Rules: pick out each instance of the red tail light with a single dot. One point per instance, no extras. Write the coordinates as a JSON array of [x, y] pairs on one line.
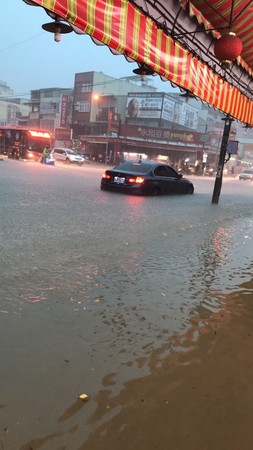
[[106, 176], [138, 180]]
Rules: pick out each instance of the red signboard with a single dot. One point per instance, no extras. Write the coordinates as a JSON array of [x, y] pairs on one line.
[[64, 109], [63, 134]]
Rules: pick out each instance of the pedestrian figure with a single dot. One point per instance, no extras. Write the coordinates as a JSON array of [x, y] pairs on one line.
[[45, 154]]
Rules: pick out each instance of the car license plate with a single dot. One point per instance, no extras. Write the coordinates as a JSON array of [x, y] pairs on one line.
[[119, 180]]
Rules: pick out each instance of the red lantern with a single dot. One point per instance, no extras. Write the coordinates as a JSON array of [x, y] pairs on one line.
[[227, 48]]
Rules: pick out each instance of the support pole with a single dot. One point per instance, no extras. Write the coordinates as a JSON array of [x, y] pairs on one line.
[[106, 151], [219, 174]]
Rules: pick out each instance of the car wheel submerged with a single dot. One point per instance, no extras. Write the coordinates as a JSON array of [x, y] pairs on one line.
[[67, 161], [157, 192], [190, 190]]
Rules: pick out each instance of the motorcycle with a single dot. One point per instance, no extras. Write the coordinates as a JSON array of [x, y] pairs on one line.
[[49, 160]]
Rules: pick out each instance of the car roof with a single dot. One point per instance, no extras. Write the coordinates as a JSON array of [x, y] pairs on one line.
[[146, 163], [138, 166]]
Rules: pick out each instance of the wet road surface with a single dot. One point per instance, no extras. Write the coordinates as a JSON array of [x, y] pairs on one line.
[[99, 290]]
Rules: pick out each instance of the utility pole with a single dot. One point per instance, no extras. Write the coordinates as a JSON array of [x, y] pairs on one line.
[[219, 174]]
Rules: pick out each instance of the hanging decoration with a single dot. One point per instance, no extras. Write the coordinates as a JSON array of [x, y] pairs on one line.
[[228, 48]]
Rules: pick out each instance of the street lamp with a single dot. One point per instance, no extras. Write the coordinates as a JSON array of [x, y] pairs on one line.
[[187, 95], [218, 181], [143, 70], [58, 28]]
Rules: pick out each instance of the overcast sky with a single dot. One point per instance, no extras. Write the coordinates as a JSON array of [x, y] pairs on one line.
[[31, 59]]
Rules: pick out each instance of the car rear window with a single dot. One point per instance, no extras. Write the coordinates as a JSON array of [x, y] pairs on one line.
[[133, 167], [58, 150], [70, 152]]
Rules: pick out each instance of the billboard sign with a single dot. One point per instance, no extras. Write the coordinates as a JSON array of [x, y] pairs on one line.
[[179, 112], [161, 134], [161, 106], [144, 105]]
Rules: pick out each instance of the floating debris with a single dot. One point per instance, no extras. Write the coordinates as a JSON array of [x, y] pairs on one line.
[[83, 397]]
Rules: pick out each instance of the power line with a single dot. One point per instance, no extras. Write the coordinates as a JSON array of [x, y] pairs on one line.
[[94, 85], [21, 42], [13, 95], [98, 84]]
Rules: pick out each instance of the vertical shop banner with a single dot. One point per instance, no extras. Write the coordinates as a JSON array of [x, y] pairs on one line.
[[64, 110], [113, 122]]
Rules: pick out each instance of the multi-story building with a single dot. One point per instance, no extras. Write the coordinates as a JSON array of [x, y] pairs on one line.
[[115, 119], [13, 111], [98, 97], [51, 108]]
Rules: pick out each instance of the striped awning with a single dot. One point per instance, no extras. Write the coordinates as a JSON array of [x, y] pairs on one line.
[[126, 29]]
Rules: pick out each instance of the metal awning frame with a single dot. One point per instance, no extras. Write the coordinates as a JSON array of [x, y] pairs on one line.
[[170, 41]]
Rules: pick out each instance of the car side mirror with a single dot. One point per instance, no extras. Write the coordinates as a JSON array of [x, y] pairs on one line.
[[180, 175]]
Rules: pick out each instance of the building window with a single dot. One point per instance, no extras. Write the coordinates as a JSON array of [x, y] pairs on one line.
[[86, 87], [83, 106]]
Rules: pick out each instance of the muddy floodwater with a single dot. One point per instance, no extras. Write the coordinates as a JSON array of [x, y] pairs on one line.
[[143, 304]]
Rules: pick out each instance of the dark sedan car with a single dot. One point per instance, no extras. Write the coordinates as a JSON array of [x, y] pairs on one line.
[[145, 178]]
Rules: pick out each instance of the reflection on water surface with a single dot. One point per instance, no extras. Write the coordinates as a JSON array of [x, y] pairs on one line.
[[105, 294]]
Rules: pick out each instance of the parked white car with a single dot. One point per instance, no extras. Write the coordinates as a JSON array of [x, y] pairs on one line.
[[67, 155], [246, 174]]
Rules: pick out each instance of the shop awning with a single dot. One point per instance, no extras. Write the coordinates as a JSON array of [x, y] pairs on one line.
[[176, 40]]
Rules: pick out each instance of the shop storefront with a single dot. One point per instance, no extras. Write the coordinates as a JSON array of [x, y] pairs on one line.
[[172, 146]]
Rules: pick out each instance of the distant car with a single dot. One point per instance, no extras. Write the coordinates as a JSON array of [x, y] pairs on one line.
[[145, 178], [86, 156], [246, 174], [209, 172], [67, 155]]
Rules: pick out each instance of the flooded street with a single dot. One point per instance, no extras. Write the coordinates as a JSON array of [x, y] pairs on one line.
[[144, 304]]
